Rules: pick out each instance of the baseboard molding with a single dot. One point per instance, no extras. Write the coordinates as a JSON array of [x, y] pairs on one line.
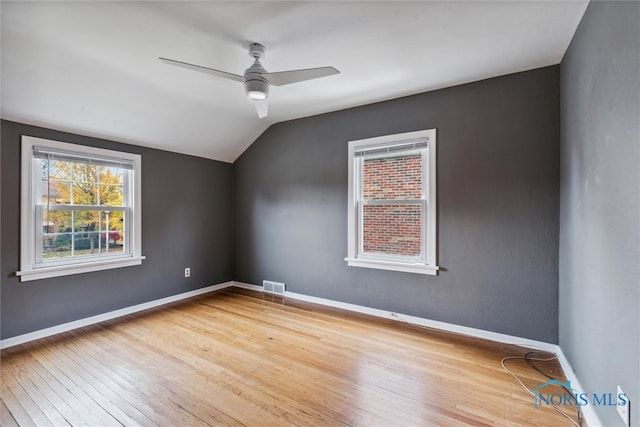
[[64, 327], [247, 286], [588, 412]]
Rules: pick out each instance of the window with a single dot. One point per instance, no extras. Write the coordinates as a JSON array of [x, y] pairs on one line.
[[392, 202], [81, 209]]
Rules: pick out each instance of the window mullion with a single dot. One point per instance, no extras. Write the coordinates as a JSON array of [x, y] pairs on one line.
[[73, 232]]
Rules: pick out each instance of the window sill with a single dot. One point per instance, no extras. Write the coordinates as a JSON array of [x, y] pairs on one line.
[[85, 267], [393, 266]]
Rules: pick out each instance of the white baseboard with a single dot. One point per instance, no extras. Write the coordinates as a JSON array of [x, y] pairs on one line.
[[588, 412], [247, 286], [64, 327]]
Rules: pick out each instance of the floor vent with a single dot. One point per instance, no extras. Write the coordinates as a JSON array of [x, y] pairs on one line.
[[273, 287]]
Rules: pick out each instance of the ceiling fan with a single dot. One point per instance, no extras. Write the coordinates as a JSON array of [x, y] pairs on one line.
[[257, 80]]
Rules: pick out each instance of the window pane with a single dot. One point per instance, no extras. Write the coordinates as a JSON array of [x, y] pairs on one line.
[[111, 195], [52, 190], [111, 186], [112, 242], [86, 221], [85, 173], [60, 171], [56, 221], [112, 236], [85, 194], [392, 229], [56, 228], [110, 175], [86, 243], [392, 178], [56, 245], [43, 169], [112, 220], [58, 193]]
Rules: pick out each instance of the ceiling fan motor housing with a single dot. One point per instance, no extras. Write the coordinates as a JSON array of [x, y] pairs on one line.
[[256, 86]]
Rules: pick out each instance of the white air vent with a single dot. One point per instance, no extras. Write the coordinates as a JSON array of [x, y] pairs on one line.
[[273, 287]]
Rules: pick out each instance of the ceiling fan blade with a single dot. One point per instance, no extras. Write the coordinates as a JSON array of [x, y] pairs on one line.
[[202, 69], [282, 78], [262, 108]]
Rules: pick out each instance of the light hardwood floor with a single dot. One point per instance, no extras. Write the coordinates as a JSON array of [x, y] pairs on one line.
[[238, 357]]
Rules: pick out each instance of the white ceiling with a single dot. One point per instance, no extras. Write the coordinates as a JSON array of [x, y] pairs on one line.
[[92, 67]]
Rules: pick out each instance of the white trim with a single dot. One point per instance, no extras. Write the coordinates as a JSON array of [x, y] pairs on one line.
[[434, 324], [247, 286], [588, 411], [69, 269], [43, 333], [355, 258], [393, 266]]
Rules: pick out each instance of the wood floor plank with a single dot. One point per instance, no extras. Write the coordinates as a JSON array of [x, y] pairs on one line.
[[15, 409], [243, 358], [6, 419]]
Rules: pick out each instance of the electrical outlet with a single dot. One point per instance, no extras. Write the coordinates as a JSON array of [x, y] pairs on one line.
[[623, 410], [187, 272]]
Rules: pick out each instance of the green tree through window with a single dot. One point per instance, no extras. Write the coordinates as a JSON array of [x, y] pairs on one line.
[[96, 228]]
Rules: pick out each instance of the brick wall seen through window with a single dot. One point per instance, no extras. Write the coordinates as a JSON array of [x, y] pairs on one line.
[[393, 229]]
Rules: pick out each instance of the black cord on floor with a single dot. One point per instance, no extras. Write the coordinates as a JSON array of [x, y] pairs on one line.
[[530, 363]]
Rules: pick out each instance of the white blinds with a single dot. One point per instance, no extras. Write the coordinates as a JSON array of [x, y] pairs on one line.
[[371, 150], [69, 156]]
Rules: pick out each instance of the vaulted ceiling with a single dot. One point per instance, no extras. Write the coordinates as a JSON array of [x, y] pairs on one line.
[[92, 67]]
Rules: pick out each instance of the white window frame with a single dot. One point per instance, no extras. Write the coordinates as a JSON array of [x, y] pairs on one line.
[[425, 264], [31, 267]]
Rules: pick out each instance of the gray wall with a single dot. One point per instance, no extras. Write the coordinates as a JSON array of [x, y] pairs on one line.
[[187, 217], [498, 201], [600, 210]]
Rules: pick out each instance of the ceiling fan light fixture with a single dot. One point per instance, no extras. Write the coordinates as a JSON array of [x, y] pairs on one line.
[[258, 90], [257, 95]]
